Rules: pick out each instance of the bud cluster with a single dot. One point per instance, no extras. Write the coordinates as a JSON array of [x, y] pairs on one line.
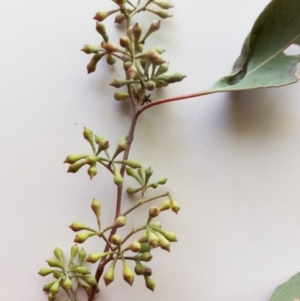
[[64, 274]]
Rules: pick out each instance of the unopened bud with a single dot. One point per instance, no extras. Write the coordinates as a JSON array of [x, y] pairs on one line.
[[146, 256], [170, 236], [102, 143], [175, 206], [92, 171], [150, 284], [94, 257], [148, 174], [100, 27], [118, 179], [153, 239], [163, 4], [163, 242], [55, 288], [165, 205], [127, 65], [74, 158], [120, 221], [118, 83], [59, 254], [110, 274], [73, 168], [90, 280], [131, 163], [139, 47], [51, 297], [110, 47], [81, 270], [135, 246], [128, 275], [155, 25], [91, 67], [88, 48], [54, 263], [162, 181], [67, 285], [137, 31], [122, 145], [150, 85], [46, 287], [125, 42], [100, 16], [76, 226], [74, 251], [131, 190], [82, 237], [162, 13], [154, 211], [56, 274], [110, 60], [96, 207], [89, 136], [45, 271], [81, 256], [163, 68], [132, 72], [116, 239], [130, 33], [120, 18], [121, 95]]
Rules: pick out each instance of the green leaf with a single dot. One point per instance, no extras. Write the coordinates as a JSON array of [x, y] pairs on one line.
[[262, 62], [288, 291]]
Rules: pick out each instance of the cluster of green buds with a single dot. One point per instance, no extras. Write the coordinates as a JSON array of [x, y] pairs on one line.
[[65, 275], [144, 70], [100, 144]]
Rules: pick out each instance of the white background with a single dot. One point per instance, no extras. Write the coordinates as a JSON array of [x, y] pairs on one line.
[[232, 160]]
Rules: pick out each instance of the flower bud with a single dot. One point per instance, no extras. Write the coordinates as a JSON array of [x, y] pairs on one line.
[[163, 68], [131, 190], [127, 65], [175, 206], [165, 205], [74, 158], [120, 222], [150, 284], [162, 181], [96, 207], [89, 136], [45, 271], [135, 246], [55, 288], [128, 275], [121, 95], [162, 13], [131, 172], [110, 47], [140, 47], [150, 85], [92, 171], [137, 31], [131, 163], [86, 287], [46, 287], [73, 168], [81, 270], [88, 48], [100, 27], [100, 16], [74, 251], [148, 174], [110, 274], [67, 285], [94, 257], [103, 144], [163, 4], [59, 254], [120, 18], [170, 236], [173, 78], [54, 263], [81, 256], [125, 42], [56, 274], [156, 224], [153, 239], [76, 226], [90, 280], [110, 60], [132, 72], [130, 33], [142, 174], [91, 67], [163, 242], [51, 297], [118, 83], [154, 211], [82, 237], [155, 25], [142, 239], [138, 269], [118, 179], [116, 239]]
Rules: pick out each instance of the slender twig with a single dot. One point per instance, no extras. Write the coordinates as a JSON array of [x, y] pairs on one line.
[[141, 202]]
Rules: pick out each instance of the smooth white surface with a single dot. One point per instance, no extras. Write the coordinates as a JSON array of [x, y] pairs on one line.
[[232, 160]]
